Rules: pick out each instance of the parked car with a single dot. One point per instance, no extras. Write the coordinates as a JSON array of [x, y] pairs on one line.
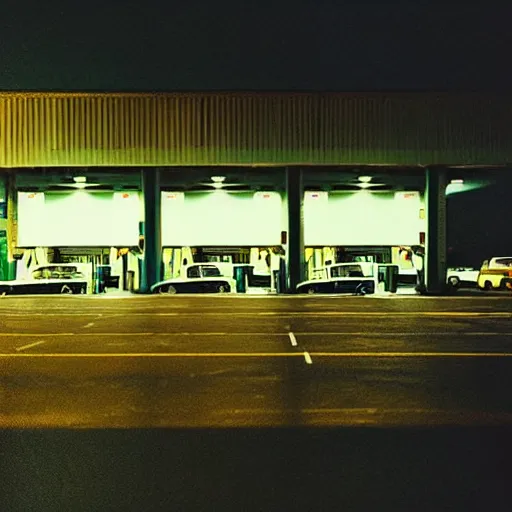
[[496, 273], [48, 279], [215, 277], [356, 278], [462, 277], [197, 278]]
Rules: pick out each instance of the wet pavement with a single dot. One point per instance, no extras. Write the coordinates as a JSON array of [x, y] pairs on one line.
[[255, 403]]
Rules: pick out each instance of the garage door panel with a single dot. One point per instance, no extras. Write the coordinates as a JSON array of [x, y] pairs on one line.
[[362, 218], [221, 218], [78, 219]]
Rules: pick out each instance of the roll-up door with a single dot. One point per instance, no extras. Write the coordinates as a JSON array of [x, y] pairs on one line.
[[221, 219], [78, 219], [362, 218]]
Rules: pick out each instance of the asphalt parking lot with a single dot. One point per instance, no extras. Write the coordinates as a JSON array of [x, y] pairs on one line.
[[255, 403]]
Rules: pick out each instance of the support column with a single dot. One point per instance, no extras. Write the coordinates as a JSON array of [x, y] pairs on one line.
[[435, 206], [152, 259], [4, 229], [12, 223], [295, 249]]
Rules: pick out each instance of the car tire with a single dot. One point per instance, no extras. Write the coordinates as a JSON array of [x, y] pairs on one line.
[[362, 290], [222, 288], [171, 290], [311, 290], [454, 281], [66, 290], [488, 286], [82, 290]]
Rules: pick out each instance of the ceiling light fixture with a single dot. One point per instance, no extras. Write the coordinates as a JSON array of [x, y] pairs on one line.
[[365, 179], [218, 179], [457, 182], [79, 179]]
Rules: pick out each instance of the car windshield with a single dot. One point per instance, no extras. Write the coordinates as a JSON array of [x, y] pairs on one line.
[[504, 262], [203, 271], [56, 272], [347, 271], [211, 271], [193, 272]]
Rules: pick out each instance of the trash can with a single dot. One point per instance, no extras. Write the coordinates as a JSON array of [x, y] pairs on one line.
[[391, 278], [283, 285], [102, 277], [130, 280], [277, 281], [241, 279]]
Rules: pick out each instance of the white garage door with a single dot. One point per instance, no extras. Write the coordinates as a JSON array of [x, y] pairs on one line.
[[362, 218], [221, 218], [78, 219]]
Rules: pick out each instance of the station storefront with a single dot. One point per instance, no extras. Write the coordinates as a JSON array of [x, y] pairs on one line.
[[355, 179], [98, 228], [71, 218], [380, 226]]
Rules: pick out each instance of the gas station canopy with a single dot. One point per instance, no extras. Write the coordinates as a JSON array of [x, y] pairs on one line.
[[254, 129]]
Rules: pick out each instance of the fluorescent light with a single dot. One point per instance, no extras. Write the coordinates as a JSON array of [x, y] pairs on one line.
[[457, 182], [365, 179], [218, 179], [364, 184], [79, 179], [217, 185]]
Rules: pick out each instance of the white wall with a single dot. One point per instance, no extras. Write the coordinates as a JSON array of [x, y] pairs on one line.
[[78, 219], [218, 218], [221, 218], [362, 218]]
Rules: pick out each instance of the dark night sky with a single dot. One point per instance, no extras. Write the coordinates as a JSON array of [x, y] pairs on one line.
[[476, 221], [317, 45]]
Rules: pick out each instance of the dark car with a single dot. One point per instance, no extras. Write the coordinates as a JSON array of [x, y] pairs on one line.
[[359, 278], [200, 278]]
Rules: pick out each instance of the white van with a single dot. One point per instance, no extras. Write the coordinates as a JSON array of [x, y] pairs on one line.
[[496, 273]]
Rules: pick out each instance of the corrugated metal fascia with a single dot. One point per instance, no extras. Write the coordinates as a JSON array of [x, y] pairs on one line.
[[507, 97], [53, 129]]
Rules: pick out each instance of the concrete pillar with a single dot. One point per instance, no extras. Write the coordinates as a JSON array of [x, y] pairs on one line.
[[152, 260], [12, 223], [4, 234], [295, 252], [435, 254]]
